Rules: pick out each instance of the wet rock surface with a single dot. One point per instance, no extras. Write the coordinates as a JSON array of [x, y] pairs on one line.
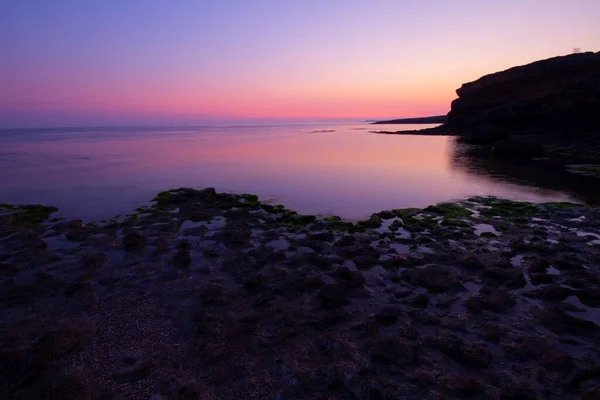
[[207, 295]]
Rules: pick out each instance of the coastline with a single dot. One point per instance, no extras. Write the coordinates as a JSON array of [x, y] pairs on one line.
[[211, 294], [441, 130], [436, 119]]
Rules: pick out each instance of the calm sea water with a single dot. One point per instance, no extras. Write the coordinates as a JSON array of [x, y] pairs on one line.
[[322, 168]]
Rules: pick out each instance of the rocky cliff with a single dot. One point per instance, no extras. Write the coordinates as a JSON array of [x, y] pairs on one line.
[[558, 97]]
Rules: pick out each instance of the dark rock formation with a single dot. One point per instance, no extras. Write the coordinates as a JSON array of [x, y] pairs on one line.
[[557, 97]]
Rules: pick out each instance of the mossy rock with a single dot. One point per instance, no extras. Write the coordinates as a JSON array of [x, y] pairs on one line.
[[427, 222], [132, 217], [339, 225], [273, 209], [251, 198], [31, 215], [562, 205], [516, 211], [144, 210], [386, 214], [248, 205], [293, 219], [163, 196], [373, 222], [455, 223], [450, 210], [488, 235], [406, 212], [397, 224], [503, 227]]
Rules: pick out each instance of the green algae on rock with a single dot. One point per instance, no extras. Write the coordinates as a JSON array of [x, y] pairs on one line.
[[30, 215]]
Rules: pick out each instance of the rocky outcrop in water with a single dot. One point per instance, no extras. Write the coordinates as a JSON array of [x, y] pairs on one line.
[[558, 97]]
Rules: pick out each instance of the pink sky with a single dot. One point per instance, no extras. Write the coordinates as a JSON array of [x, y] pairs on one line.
[[68, 62]]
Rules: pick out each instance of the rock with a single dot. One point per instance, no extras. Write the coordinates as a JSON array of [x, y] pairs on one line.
[[133, 241], [550, 293], [475, 355], [493, 332], [188, 393], [471, 262], [344, 241], [387, 214], [421, 300], [233, 237], [309, 283], [592, 394], [356, 250], [436, 279], [170, 275], [82, 293], [559, 321], [29, 364], [365, 262], [75, 235], [350, 279], [182, 259], [554, 97], [44, 257], [322, 237], [511, 278], [492, 299], [387, 317], [319, 261], [136, 369], [94, 259], [75, 224], [213, 293], [518, 394], [590, 297], [334, 295], [402, 293], [541, 278], [393, 350]]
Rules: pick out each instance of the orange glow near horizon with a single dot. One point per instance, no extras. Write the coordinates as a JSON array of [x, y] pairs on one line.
[[85, 62]]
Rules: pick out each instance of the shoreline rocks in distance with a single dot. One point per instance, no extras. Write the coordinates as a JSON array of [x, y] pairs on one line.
[[437, 119]]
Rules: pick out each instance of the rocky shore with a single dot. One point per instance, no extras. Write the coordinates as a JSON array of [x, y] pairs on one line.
[[206, 295]]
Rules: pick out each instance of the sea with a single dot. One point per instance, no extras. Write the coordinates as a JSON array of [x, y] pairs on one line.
[[314, 167]]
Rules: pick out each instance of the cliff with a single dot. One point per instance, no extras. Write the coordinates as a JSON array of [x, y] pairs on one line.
[[558, 97]]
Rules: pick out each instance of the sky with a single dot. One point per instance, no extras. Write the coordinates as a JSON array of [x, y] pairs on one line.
[[115, 62]]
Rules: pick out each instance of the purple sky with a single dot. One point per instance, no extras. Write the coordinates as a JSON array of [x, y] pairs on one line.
[[142, 61]]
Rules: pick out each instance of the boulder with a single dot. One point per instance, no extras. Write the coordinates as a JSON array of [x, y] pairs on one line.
[[133, 241]]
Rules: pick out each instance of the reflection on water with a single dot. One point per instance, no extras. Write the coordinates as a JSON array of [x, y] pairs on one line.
[[545, 173], [324, 168]]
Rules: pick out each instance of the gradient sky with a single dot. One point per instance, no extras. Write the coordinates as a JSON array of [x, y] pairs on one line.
[[189, 61]]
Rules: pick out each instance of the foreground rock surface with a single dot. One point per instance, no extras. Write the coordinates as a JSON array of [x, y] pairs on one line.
[[207, 295]]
